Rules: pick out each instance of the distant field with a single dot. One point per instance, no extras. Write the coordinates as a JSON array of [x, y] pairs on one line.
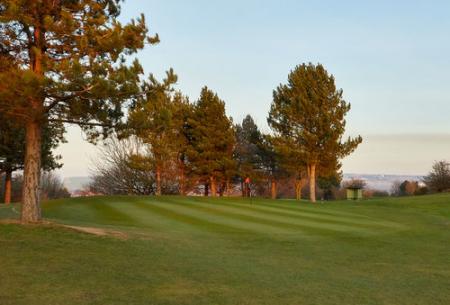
[[175, 250]]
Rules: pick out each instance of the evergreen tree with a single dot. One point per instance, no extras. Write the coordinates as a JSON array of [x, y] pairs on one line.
[[329, 183], [288, 160], [69, 67], [307, 117], [248, 152], [151, 120], [182, 111], [211, 141], [271, 164], [158, 120]]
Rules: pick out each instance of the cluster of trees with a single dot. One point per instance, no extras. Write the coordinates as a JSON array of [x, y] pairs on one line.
[[183, 140], [408, 188], [64, 62], [180, 146]]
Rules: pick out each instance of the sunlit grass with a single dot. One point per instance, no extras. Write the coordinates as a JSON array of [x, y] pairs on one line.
[[230, 251]]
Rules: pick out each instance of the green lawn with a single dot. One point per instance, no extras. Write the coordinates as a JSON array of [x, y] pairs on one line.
[[230, 251]]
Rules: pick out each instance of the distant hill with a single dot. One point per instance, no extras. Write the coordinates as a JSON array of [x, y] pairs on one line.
[[382, 182], [76, 183]]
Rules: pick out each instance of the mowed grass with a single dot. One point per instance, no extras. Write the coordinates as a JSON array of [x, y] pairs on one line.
[[230, 251]]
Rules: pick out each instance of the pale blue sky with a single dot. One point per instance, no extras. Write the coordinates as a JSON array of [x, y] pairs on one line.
[[392, 59]]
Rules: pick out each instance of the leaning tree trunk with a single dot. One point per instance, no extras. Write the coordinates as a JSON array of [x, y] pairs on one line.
[[31, 209], [213, 186], [312, 182], [8, 178], [273, 188]]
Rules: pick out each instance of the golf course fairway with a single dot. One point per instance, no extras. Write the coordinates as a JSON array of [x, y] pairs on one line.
[[193, 250]]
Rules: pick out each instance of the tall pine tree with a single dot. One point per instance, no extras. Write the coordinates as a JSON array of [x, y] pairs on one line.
[[158, 119], [70, 68], [212, 140], [182, 111], [271, 164], [248, 152], [307, 116]]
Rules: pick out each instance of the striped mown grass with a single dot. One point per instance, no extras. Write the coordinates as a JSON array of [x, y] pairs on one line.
[[193, 250]]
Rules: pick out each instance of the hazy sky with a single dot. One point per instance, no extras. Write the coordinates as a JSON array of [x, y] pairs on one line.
[[392, 59]]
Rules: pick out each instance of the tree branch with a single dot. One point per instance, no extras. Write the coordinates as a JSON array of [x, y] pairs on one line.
[[65, 98], [81, 123]]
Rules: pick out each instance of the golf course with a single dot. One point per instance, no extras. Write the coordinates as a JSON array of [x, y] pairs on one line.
[[193, 250]]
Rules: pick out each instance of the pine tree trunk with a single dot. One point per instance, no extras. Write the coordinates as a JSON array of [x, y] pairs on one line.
[[158, 181], [312, 182], [206, 194], [273, 188], [8, 178], [298, 189], [213, 186], [31, 210]]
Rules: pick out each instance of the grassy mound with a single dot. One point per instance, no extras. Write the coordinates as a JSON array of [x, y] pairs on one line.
[[229, 251]]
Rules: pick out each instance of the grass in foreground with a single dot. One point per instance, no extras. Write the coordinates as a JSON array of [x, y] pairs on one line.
[[230, 251]]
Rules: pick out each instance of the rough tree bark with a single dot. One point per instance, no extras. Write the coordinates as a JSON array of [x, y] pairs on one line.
[[213, 186], [273, 188], [158, 181], [31, 210], [8, 179], [312, 182], [298, 189]]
